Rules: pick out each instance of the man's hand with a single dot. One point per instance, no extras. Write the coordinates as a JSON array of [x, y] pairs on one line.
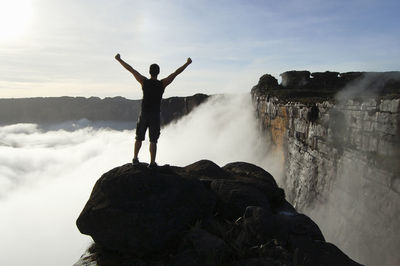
[[189, 60], [118, 57]]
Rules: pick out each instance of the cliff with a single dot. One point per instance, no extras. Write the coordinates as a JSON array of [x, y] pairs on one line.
[[340, 137], [200, 214], [61, 109]]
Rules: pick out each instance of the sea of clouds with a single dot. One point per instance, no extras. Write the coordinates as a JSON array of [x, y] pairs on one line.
[[47, 174]]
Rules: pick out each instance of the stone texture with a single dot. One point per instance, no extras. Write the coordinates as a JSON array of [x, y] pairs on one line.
[[295, 78], [349, 154], [139, 202], [200, 214]]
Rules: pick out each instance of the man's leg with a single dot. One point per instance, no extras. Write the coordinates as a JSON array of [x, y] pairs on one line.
[[154, 133], [138, 145], [153, 152], [141, 127]]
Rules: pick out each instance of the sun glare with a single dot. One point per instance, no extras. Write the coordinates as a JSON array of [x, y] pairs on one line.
[[15, 16]]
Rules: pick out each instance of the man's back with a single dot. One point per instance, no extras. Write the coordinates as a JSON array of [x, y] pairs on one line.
[[153, 90]]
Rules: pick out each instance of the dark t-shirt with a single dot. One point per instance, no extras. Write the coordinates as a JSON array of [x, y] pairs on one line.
[[153, 90]]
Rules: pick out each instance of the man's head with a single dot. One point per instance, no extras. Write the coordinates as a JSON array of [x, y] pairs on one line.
[[154, 70]]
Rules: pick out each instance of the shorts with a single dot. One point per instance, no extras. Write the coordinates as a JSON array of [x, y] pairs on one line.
[[150, 121]]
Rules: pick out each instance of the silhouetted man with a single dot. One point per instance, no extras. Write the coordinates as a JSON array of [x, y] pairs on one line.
[[149, 117]]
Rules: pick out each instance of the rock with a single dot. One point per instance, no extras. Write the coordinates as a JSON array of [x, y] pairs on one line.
[[204, 248], [295, 78], [285, 208], [207, 169], [234, 196], [248, 169], [310, 253], [313, 115], [325, 80], [299, 86], [293, 226], [87, 259], [341, 156], [258, 226], [257, 177], [136, 210], [186, 257], [268, 82], [205, 244], [188, 216], [257, 262], [174, 108], [195, 100], [116, 109], [348, 77]]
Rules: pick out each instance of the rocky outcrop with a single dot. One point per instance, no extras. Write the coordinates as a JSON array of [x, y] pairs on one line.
[[306, 87], [61, 109], [341, 150], [200, 214]]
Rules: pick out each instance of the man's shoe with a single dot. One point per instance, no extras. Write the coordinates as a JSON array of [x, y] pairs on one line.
[[135, 161], [152, 166]]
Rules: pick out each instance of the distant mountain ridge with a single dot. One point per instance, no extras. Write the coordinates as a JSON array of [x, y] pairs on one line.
[[60, 109]]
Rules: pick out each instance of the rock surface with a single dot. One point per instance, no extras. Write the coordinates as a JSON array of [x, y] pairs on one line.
[[135, 209], [306, 87], [341, 150], [201, 214]]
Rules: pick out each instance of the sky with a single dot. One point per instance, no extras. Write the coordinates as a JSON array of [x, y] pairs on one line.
[[67, 48]]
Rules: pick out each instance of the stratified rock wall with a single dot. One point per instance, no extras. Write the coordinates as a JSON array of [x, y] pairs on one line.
[[342, 156]]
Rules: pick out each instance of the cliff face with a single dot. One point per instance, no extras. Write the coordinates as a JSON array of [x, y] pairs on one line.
[[61, 109], [341, 154]]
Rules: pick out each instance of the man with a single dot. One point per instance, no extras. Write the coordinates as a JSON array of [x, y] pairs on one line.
[[149, 117]]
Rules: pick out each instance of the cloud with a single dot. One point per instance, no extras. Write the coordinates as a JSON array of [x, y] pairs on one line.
[[46, 178]]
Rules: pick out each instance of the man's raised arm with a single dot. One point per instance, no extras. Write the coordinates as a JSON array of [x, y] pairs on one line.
[[136, 74], [171, 77]]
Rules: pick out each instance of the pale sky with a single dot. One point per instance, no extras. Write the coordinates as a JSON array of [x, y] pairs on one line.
[[67, 48]]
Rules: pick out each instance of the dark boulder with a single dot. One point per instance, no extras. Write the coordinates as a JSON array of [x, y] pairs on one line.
[[258, 226], [257, 177], [206, 169], [257, 262], [285, 208], [234, 196], [136, 210], [310, 253], [250, 170], [294, 226], [294, 78], [325, 80], [189, 216], [199, 247], [268, 82]]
